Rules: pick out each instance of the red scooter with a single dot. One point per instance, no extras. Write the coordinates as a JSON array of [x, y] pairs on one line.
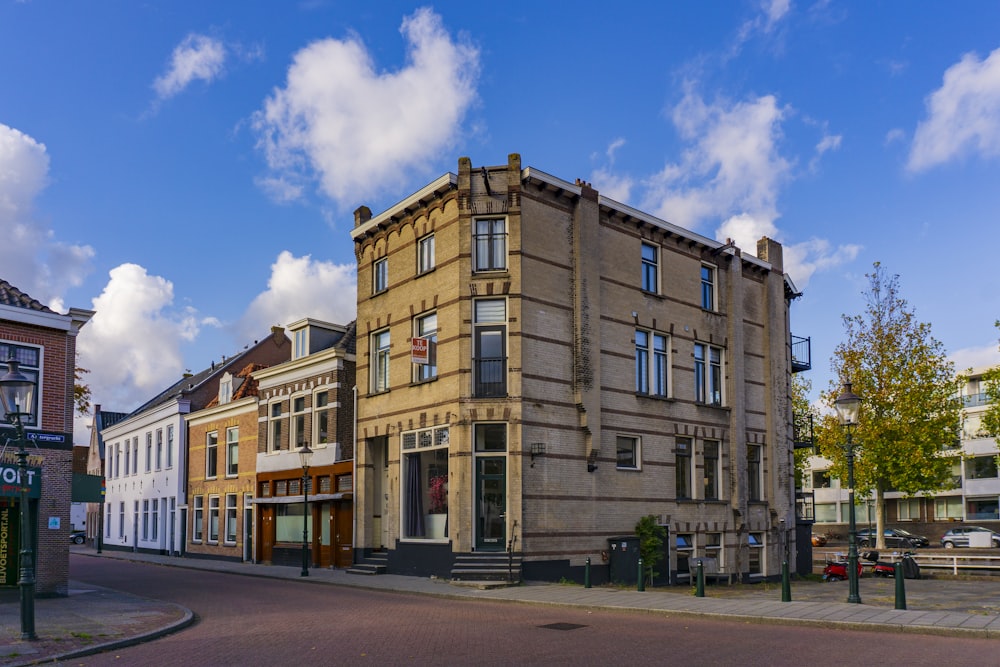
[[836, 570], [911, 570]]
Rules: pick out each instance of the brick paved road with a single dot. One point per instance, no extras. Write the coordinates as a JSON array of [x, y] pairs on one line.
[[251, 621]]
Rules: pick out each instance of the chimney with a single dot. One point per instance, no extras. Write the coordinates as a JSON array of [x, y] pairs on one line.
[[362, 215]]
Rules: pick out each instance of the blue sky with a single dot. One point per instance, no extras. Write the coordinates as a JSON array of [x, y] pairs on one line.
[[189, 169]]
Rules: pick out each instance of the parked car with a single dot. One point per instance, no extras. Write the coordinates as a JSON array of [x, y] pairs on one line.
[[78, 537], [894, 538], [959, 537], [818, 540]]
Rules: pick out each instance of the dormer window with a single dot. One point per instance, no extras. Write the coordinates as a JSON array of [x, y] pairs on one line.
[[226, 389], [300, 344]]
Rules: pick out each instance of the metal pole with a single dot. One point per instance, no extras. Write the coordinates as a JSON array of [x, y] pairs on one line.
[[900, 587], [699, 588], [305, 522], [586, 574], [853, 594], [26, 580], [642, 579], [786, 583]]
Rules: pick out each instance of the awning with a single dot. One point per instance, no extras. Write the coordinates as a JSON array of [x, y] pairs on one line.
[[288, 500]]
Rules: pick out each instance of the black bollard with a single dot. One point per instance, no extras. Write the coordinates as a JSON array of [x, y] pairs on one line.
[[642, 579], [786, 583], [586, 574], [900, 587], [699, 589]]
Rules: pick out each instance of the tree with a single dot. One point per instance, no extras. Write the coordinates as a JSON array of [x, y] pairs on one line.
[[651, 535], [991, 418], [910, 404], [81, 391], [802, 413]]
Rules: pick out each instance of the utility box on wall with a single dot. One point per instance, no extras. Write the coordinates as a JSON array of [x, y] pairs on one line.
[[623, 560]]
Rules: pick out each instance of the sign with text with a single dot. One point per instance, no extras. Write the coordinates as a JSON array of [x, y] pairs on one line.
[[9, 544], [11, 482], [420, 351]]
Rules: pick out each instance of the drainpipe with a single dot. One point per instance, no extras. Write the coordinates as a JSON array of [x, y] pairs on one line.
[[354, 480]]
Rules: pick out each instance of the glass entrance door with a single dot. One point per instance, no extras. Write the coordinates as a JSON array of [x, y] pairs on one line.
[[491, 503]]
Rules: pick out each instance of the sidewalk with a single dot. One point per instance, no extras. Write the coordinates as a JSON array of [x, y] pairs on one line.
[[93, 619]]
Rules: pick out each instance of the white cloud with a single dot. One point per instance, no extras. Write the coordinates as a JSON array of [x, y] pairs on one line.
[[608, 183], [893, 135], [772, 13], [302, 287], [132, 344], [357, 129], [30, 249], [804, 259], [197, 57], [963, 114], [976, 357]]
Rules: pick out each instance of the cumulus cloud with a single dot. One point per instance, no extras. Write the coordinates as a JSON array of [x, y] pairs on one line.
[[196, 58], [963, 115], [771, 14], [132, 344], [357, 130], [302, 287], [608, 183], [31, 249], [976, 357]]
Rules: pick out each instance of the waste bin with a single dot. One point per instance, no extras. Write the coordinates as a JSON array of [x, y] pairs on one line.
[[623, 560]]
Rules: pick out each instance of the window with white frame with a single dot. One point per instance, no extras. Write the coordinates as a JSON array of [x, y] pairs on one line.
[[380, 361], [652, 367], [682, 468], [650, 268], [425, 254], [128, 449], [711, 469], [212, 455], [145, 519], [300, 344], [29, 360], [135, 455], [708, 293], [380, 275], [117, 460], [170, 446], [107, 521], [321, 417], [826, 512], [490, 244], [149, 452], [231, 515], [754, 471], [425, 480], [121, 519], [425, 327], [154, 522], [232, 451], [274, 427], [708, 374], [755, 559], [684, 546], [213, 518], [226, 388], [489, 348], [628, 452], [298, 434], [948, 507], [159, 449], [713, 548], [909, 509]]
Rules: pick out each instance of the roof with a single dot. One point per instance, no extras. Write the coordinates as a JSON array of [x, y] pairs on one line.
[[246, 386], [11, 296]]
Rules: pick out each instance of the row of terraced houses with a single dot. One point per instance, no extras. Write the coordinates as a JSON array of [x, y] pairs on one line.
[[533, 368]]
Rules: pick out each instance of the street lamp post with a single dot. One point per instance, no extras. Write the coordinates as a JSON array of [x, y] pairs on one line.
[[305, 454], [17, 392], [848, 404]]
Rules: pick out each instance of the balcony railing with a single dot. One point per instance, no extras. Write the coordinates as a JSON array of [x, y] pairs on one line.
[[801, 354], [490, 377], [802, 431]]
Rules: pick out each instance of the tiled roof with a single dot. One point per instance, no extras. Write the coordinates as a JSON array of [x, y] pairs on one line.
[[11, 296], [350, 337], [248, 386]]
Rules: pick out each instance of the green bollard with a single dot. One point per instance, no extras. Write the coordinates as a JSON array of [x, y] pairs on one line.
[[900, 587], [786, 583], [586, 574], [699, 588], [642, 579]]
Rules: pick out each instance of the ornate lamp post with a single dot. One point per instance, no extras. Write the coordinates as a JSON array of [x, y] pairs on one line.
[[305, 455], [848, 404], [17, 392]]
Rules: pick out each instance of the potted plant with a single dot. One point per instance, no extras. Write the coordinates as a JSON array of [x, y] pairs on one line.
[[437, 516]]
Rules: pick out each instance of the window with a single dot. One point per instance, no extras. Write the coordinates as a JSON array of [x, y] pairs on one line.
[[135, 455], [226, 388], [380, 361], [490, 348], [628, 452], [159, 449], [154, 522], [425, 254], [211, 454], [490, 244], [713, 547], [711, 470], [821, 479], [708, 287], [826, 513], [426, 327], [128, 450], [909, 509], [685, 549], [948, 508], [682, 466], [425, 482], [121, 519], [170, 446], [117, 466], [753, 473], [981, 467], [213, 518], [300, 344], [274, 430], [708, 374], [299, 422], [650, 268], [107, 522], [29, 363], [321, 417], [145, 519], [149, 452], [197, 530], [380, 275], [651, 378], [232, 451], [982, 509], [231, 518], [755, 560]]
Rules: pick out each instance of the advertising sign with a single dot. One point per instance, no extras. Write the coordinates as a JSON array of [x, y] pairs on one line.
[[9, 545], [11, 482], [420, 351]]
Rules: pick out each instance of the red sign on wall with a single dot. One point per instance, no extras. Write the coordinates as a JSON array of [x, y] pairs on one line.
[[420, 351]]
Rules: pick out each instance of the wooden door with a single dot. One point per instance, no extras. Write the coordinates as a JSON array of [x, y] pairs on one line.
[[343, 517], [265, 535]]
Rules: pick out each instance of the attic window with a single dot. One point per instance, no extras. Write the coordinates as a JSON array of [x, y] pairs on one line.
[[226, 389], [300, 345]]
